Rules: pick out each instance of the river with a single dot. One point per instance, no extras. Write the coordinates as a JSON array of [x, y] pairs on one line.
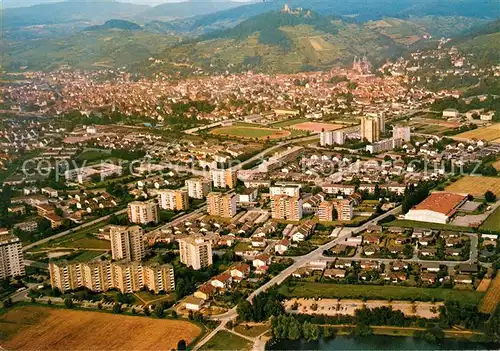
[[378, 342]]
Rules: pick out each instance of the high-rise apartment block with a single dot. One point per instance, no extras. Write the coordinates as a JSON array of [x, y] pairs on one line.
[[221, 205], [104, 275], [127, 243], [174, 200], [372, 126], [331, 137], [195, 252], [288, 190], [11, 256], [143, 212], [198, 188], [401, 132], [344, 209], [325, 211], [224, 178], [286, 207]]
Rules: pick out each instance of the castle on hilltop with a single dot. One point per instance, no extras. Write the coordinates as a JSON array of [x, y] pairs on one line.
[[362, 66]]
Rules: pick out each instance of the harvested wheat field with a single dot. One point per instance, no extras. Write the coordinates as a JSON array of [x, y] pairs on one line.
[[475, 186], [492, 298], [483, 286], [491, 133], [45, 328]]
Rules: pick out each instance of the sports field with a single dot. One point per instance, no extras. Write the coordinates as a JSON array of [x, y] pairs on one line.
[[491, 133], [475, 186], [315, 127], [45, 328], [492, 297], [251, 132]]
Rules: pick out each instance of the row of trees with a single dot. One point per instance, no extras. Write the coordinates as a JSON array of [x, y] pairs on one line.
[[263, 307]]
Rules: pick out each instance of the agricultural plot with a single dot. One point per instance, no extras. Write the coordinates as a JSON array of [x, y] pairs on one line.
[[493, 221], [251, 132], [475, 186], [492, 297], [43, 328], [491, 133]]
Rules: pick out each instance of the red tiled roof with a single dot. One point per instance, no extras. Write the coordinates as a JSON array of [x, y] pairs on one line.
[[445, 203]]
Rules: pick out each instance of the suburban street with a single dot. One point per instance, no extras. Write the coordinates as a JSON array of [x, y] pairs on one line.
[[300, 261]]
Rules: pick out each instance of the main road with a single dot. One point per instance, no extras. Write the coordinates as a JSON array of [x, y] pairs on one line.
[[300, 262]]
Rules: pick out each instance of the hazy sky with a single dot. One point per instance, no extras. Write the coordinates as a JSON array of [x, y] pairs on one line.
[[23, 3]]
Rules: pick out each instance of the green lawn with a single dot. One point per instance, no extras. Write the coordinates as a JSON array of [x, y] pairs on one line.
[[493, 221], [82, 239], [225, 340], [382, 292], [93, 155], [416, 224], [88, 255], [246, 132], [251, 330]]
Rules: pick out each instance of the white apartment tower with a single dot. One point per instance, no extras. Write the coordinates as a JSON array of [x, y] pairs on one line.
[[174, 200], [127, 243], [331, 137], [198, 188], [11, 256], [195, 252], [224, 178], [143, 212]]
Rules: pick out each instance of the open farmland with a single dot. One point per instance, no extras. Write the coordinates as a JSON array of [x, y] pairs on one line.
[[378, 292], [491, 133], [315, 127], [43, 328], [492, 297], [475, 186], [251, 132], [493, 221]]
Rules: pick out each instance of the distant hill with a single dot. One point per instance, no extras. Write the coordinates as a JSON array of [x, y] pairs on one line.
[[67, 12], [86, 50], [283, 42], [359, 10], [483, 42], [115, 24], [186, 9]]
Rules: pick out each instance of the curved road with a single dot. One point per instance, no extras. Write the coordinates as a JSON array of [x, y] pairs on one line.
[[300, 261]]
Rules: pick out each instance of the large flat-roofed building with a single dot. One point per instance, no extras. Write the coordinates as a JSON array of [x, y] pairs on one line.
[[11, 256], [224, 178], [195, 252], [286, 207], [83, 174], [438, 207], [143, 212], [174, 200], [198, 188], [98, 276], [221, 205], [127, 243]]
